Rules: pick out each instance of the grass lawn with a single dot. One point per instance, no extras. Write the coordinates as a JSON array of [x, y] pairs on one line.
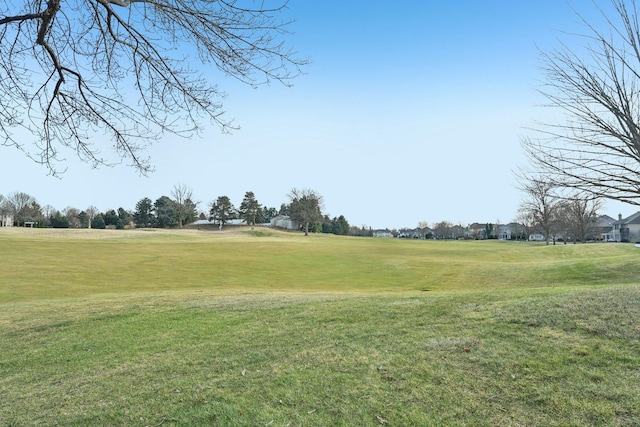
[[261, 328]]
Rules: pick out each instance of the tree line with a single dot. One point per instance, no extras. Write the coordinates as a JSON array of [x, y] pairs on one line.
[[179, 210], [544, 210]]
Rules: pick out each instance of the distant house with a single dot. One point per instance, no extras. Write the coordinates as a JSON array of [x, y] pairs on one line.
[[601, 226], [624, 229], [285, 222], [511, 231], [476, 231], [405, 233], [537, 237], [456, 232], [505, 232], [382, 233], [6, 220], [426, 233], [416, 233]]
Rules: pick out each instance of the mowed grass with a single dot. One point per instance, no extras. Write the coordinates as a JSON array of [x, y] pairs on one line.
[[274, 329]]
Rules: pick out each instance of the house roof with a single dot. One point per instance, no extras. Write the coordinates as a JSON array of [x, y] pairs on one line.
[[632, 219], [477, 225], [604, 221]]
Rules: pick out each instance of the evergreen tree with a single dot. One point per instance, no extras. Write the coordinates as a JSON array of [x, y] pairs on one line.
[[83, 217], [222, 210], [98, 222], [125, 218], [267, 214], [340, 226], [111, 218], [250, 210], [166, 212], [58, 220], [143, 216]]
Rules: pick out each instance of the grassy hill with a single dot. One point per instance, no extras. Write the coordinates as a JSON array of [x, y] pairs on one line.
[[258, 327]]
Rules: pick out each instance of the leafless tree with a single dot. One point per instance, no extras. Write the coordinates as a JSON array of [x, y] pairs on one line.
[[20, 204], [540, 205], [128, 69], [526, 219], [91, 212], [305, 207], [579, 214], [33, 212], [442, 229], [48, 211], [73, 216], [595, 146], [184, 204]]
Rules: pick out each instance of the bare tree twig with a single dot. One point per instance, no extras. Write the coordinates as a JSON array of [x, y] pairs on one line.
[[75, 72], [595, 148]]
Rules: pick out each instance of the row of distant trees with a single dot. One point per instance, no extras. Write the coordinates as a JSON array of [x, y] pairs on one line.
[[552, 211], [548, 209], [24, 208], [544, 210], [178, 210]]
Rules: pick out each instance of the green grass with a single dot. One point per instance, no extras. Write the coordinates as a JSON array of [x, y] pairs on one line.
[[204, 328]]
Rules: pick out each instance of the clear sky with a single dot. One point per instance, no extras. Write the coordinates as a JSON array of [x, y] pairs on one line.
[[410, 111]]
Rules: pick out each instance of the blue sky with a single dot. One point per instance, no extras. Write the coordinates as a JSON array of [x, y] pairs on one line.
[[410, 111]]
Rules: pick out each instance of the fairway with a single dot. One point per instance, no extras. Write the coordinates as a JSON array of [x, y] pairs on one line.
[[260, 327]]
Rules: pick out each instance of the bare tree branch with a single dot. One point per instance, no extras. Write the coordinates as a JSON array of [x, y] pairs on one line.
[[75, 72], [595, 148], [540, 204]]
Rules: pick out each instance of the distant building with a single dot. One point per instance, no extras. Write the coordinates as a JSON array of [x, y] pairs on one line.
[[624, 229], [416, 233], [6, 220], [476, 231], [511, 231], [537, 237], [285, 222], [382, 233], [601, 226]]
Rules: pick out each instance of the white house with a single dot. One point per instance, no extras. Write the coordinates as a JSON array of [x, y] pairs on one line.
[[537, 237], [382, 233], [6, 220]]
